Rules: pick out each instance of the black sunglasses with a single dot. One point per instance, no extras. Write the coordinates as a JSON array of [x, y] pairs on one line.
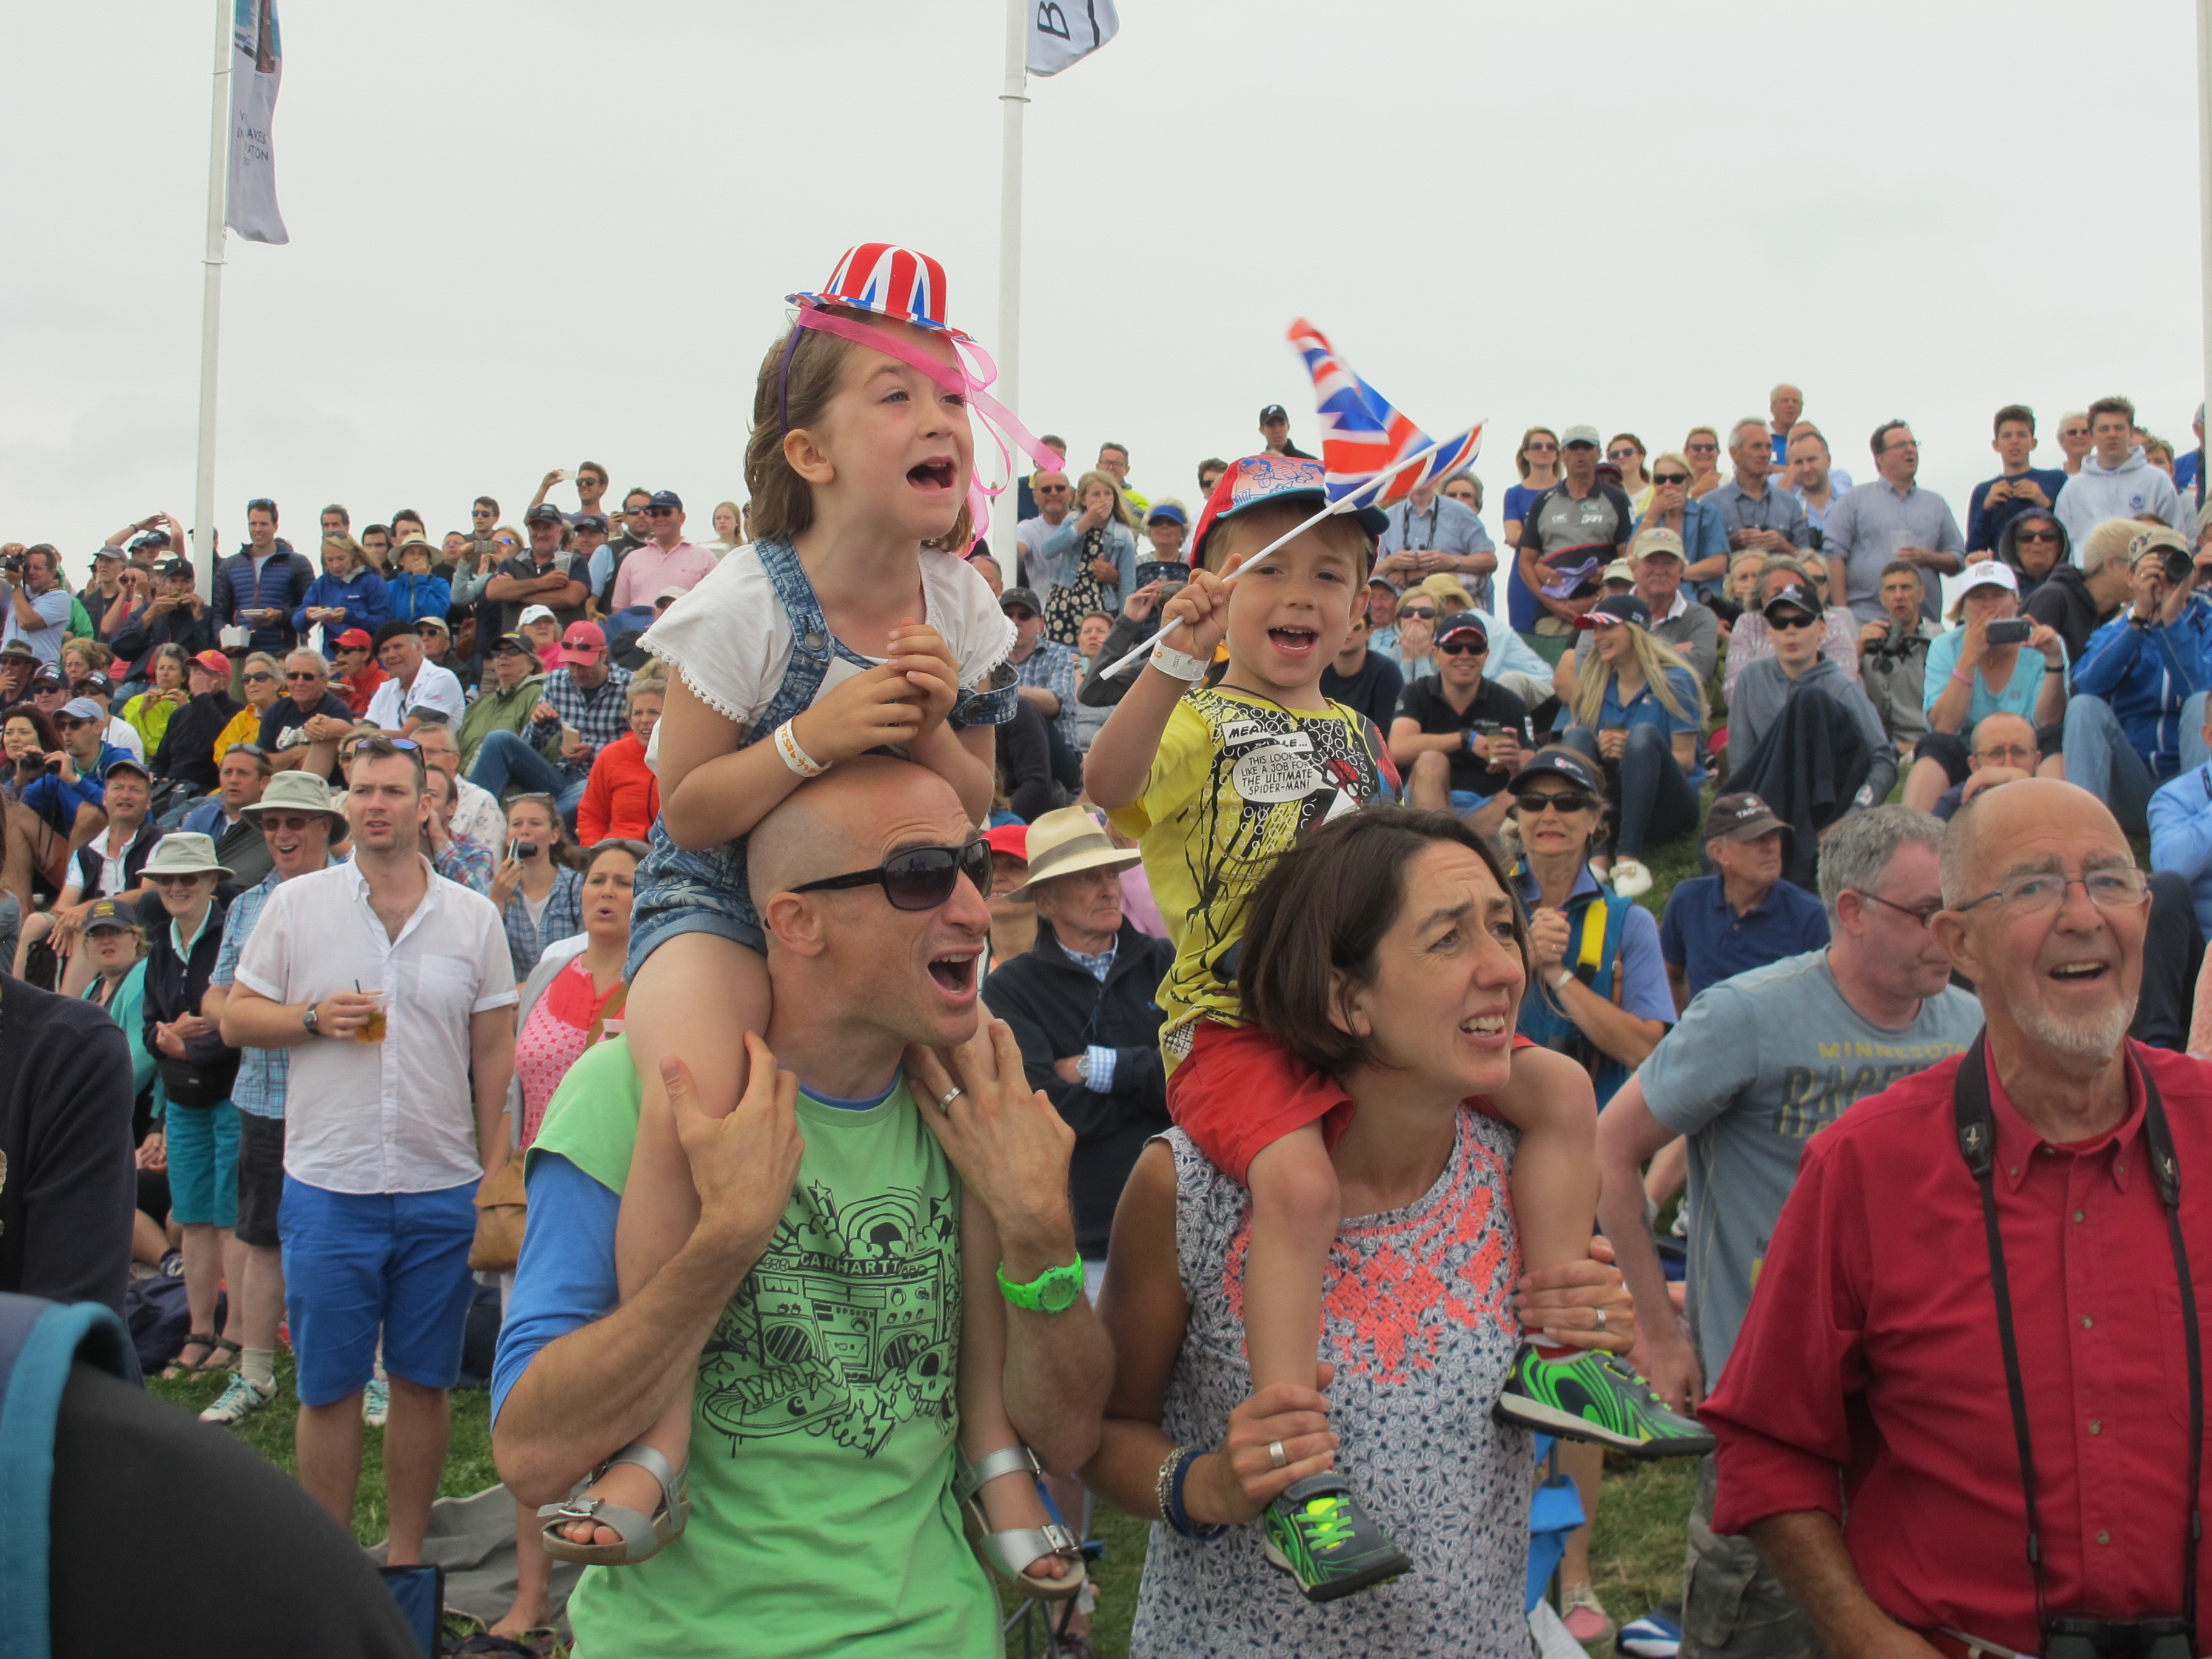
[[258, 676], [1670, 478], [919, 878], [1417, 613], [1786, 624], [1464, 648], [2036, 535], [359, 744], [660, 512], [1567, 800]]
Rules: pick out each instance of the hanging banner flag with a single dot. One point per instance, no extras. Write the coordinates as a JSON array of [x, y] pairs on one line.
[[1363, 432], [1064, 32], [257, 67]]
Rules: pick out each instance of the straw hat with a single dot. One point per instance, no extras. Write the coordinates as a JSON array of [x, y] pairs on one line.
[[1065, 841]]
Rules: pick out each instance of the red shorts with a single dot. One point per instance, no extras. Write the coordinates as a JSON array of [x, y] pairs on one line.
[[1239, 1091]]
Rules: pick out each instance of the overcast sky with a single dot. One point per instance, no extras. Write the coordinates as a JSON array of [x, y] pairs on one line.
[[525, 235]]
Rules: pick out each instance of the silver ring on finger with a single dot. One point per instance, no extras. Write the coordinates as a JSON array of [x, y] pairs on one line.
[[1277, 1457], [1600, 1319], [944, 1101]]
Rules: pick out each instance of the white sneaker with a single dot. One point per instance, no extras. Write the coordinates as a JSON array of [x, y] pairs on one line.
[[1629, 878], [239, 1401], [376, 1402]]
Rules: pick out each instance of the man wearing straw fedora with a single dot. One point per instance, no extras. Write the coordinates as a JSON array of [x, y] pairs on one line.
[[297, 820]]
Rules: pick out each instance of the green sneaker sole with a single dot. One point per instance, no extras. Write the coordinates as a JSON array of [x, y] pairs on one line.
[[1381, 1571]]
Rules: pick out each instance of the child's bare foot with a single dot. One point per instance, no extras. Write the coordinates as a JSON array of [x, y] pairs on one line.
[[600, 1533], [522, 1616], [1012, 1503], [626, 1485]]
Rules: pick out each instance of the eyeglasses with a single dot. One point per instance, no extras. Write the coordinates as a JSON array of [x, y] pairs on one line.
[[2123, 887], [1624, 454], [1670, 478], [258, 676], [1417, 612], [660, 512], [1566, 801], [1464, 648], [919, 878], [178, 879], [298, 675], [1790, 624], [1921, 914], [2036, 535]]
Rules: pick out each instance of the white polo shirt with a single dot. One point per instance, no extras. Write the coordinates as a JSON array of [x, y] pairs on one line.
[[394, 1116], [434, 687]]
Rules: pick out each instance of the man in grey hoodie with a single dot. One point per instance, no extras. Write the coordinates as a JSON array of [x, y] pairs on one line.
[[2116, 480], [1802, 736]]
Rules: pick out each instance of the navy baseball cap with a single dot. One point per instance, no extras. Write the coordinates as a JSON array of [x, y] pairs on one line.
[[589, 521], [1558, 762], [126, 764], [1792, 596], [665, 498], [1616, 608], [544, 512], [1462, 622]]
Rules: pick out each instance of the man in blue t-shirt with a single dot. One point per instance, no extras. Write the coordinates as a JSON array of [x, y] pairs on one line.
[[1744, 915], [2017, 489]]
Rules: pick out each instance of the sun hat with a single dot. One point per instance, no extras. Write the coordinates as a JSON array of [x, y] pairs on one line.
[[296, 791], [186, 853], [1257, 480], [1065, 841], [1441, 585], [886, 280]]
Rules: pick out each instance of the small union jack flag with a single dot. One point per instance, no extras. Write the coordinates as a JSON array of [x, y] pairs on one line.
[[1362, 433]]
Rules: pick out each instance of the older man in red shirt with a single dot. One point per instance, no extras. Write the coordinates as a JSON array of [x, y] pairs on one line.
[[1866, 1425]]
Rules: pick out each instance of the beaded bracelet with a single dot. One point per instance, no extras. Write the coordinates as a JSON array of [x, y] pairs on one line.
[[786, 744], [1178, 1517]]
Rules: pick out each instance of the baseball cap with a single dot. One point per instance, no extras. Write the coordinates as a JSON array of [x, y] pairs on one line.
[[1274, 412], [437, 622], [175, 568], [1168, 510], [534, 613], [1614, 609], [1618, 571], [107, 914], [544, 512], [1382, 582], [1578, 435], [666, 498], [126, 763], [2164, 536], [583, 642], [1740, 817], [1791, 596], [104, 551], [515, 643], [82, 708], [1658, 539], [47, 677], [150, 539], [1559, 763], [96, 682], [1022, 596], [589, 521], [1257, 480], [1462, 622], [669, 594], [1989, 572], [354, 639], [216, 663], [1009, 841]]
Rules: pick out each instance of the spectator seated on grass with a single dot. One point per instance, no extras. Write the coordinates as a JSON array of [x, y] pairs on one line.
[[1744, 915], [1893, 657]]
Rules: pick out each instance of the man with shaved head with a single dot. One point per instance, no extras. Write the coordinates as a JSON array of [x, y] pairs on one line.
[[814, 1315], [2002, 1236]]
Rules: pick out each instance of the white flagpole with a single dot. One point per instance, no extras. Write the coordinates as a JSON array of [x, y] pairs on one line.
[[203, 553], [1343, 503], [1012, 97], [2204, 194]]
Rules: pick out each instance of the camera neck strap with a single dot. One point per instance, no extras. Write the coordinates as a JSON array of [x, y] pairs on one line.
[[1977, 1132]]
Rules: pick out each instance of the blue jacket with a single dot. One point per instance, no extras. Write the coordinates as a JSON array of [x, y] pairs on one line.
[[413, 597], [1704, 537], [56, 802], [2181, 835], [1062, 555], [2146, 674], [281, 585], [361, 594]]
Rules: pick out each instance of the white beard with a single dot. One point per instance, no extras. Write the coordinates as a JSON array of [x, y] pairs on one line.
[[2097, 1037]]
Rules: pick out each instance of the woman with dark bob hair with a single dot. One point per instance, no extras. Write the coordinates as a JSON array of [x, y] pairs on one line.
[[1386, 949]]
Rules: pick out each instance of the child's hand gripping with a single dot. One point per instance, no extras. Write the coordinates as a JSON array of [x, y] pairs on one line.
[[876, 707], [1196, 620], [920, 653]]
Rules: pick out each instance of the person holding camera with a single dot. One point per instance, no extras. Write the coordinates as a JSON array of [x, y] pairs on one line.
[[1979, 667], [1976, 1313], [536, 892], [38, 605], [2124, 725], [1894, 656]]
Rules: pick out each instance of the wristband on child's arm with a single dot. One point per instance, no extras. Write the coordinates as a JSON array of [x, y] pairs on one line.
[[1178, 664], [786, 744]]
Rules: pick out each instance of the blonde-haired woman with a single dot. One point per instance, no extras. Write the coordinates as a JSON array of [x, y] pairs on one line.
[[1092, 558], [1673, 506], [1639, 712], [1537, 461], [1701, 444]]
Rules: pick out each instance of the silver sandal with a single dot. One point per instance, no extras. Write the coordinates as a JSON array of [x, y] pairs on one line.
[[643, 1537], [1012, 1551]]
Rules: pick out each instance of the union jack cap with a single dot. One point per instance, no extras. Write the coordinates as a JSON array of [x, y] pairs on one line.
[[1271, 477], [888, 282]]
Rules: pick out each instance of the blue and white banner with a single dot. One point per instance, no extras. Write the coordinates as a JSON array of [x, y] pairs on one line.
[[257, 68], [1064, 32]]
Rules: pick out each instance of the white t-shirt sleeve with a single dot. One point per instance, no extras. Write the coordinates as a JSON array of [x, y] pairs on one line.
[[728, 637], [963, 609], [384, 707], [123, 735], [438, 688]]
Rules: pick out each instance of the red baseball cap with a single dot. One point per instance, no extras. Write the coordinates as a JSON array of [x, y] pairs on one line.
[[583, 642], [354, 639], [213, 661], [1010, 841]]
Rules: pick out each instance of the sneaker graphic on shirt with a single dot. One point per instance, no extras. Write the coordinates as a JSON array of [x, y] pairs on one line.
[[1593, 1397], [239, 1400], [1317, 1533]]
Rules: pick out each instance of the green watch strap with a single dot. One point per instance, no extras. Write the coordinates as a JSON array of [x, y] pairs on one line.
[[1054, 1291]]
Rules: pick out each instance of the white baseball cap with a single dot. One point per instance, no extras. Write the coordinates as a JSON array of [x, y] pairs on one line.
[[1988, 573], [535, 613]]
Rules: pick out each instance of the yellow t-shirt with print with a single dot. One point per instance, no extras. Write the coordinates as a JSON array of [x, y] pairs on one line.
[[1237, 780]]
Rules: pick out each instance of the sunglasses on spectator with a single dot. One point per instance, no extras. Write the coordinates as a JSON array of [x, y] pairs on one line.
[[176, 880], [63, 723], [660, 512], [1623, 453], [1051, 490], [1786, 624], [359, 744], [1542, 449], [1566, 800], [1699, 448], [262, 504], [919, 878], [2036, 535], [1463, 648], [1417, 612], [302, 674], [293, 822], [1670, 478], [258, 676]]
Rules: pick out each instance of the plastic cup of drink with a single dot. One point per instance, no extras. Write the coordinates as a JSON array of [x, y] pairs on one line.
[[372, 1029]]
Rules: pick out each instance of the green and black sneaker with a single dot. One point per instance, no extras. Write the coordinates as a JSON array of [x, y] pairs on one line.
[[1318, 1533], [1593, 1397]]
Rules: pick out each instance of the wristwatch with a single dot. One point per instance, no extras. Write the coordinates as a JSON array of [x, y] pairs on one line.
[[307, 1020], [1054, 1291]]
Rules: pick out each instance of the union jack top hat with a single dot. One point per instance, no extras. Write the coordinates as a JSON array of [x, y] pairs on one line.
[[896, 283]]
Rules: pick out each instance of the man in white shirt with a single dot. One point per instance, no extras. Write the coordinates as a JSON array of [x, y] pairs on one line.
[[667, 561], [393, 990], [416, 683], [38, 605]]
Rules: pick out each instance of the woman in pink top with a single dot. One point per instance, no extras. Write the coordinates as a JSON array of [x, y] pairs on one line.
[[574, 999]]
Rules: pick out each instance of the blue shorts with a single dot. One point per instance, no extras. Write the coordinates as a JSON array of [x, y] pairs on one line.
[[680, 891], [203, 1148], [358, 1262], [1466, 801]]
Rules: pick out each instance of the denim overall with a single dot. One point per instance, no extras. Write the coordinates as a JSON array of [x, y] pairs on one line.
[[681, 891]]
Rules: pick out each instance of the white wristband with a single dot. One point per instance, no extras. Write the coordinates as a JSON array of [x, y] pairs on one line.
[[1178, 664], [1560, 982], [786, 744]]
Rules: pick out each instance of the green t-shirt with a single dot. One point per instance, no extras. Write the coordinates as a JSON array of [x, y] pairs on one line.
[[824, 1423]]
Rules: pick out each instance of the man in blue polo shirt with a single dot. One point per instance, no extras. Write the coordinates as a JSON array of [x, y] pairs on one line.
[[1744, 915]]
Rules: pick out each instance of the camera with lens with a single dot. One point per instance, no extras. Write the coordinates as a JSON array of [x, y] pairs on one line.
[[2066, 1638], [2180, 567], [11, 563], [522, 849]]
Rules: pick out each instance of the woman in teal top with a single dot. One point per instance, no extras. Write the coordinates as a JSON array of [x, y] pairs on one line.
[[116, 949], [1640, 712]]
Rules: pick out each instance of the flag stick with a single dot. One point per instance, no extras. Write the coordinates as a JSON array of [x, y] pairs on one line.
[[203, 548], [1345, 503], [1013, 96]]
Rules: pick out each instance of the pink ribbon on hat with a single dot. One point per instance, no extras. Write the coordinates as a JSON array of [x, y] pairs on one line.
[[999, 421]]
